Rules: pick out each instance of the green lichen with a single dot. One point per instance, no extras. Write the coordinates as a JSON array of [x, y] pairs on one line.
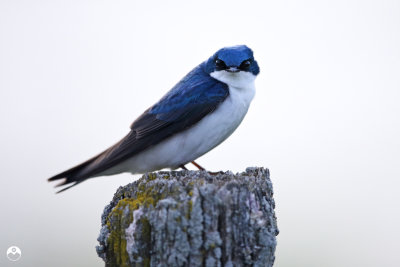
[[147, 194], [142, 187], [190, 203], [146, 262], [146, 230], [190, 208], [144, 238], [116, 239], [151, 176]]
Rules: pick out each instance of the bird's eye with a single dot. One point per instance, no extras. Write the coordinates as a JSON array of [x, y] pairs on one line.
[[220, 64], [245, 64]]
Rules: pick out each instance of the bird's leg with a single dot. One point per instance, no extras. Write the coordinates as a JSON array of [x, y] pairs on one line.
[[198, 166], [183, 167], [202, 169]]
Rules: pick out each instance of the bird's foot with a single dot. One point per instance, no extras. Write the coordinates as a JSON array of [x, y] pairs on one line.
[[215, 173]]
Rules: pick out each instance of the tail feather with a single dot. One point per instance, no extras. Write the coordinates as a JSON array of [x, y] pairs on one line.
[[73, 176], [68, 187]]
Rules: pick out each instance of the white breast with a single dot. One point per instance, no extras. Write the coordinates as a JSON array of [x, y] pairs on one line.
[[202, 137]]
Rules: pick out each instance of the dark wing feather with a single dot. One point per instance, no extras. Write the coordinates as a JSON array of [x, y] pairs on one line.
[[188, 102]]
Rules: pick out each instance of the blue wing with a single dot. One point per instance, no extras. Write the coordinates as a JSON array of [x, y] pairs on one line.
[[193, 98]]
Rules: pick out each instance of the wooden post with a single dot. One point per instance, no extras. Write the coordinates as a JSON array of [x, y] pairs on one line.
[[191, 218]]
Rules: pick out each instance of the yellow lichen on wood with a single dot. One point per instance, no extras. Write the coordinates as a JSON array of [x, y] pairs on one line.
[[146, 195], [116, 239]]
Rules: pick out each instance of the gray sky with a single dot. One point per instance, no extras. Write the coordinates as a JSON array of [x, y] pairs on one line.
[[325, 119]]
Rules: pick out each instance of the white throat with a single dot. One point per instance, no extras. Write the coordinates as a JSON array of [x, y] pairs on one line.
[[241, 79]]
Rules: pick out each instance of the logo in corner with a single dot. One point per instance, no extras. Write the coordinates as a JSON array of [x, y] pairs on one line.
[[13, 253]]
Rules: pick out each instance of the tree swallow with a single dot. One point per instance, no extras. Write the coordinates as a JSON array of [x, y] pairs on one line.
[[195, 116]]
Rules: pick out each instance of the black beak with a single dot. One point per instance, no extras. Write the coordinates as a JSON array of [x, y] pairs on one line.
[[232, 69]]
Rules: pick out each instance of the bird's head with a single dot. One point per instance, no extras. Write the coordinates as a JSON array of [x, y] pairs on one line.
[[234, 65]]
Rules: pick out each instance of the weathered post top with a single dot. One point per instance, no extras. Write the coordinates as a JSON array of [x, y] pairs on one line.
[[191, 218]]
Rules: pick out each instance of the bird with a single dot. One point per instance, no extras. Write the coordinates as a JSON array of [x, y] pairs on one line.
[[202, 110]]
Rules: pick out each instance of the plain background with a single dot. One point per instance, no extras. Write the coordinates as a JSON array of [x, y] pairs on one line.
[[325, 119]]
